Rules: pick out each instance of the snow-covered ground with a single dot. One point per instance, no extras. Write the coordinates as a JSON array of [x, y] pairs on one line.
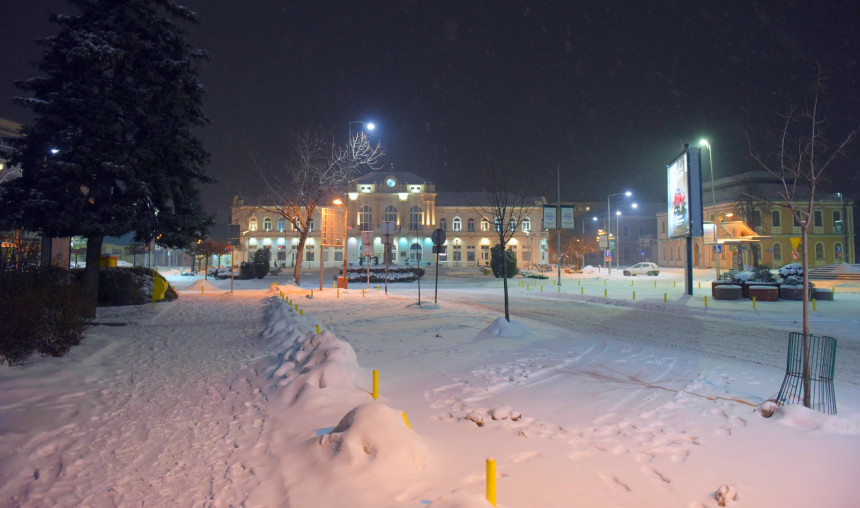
[[234, 399]]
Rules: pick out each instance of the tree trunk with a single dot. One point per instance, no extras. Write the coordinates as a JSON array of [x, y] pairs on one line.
[[91, 275], [804, 235], [300, 251], [505, 281]]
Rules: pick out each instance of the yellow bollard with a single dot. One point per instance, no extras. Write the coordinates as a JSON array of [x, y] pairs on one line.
[[655, 283], [700, 284], [604, 293], [632, 282], [753, 302], [578, 282], [664, 297], [377, 290], [559, 289], [334, 285], [403, 414], [338, 292], [375, 393], [673, 283], [201, 290], [301, 312], [541, 288], [318, 329], [634, 295], [362, 293], [312, 293], [582, 291], [527, 287], [604, 282], [491, 481], [706, 301], [813, 305], [297, 307]]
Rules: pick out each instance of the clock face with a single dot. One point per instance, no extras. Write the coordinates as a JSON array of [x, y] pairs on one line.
[[390, 182]]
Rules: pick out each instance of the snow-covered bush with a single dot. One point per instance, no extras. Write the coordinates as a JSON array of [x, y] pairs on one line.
[[792, 273], [377, 274], [744, 276]]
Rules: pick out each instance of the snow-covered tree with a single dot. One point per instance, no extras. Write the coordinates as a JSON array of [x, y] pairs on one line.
[[320, 170], [803, 155], [111, 148]]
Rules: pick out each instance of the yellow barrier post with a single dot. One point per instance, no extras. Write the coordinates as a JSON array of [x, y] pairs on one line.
[[201, 290], [559, 289], [634, 295], [318, 329], [604, 282], [578, 282], [338, 292], [312, 293], [582, 291], [491, 481], [403, 414], [664, 297], [706, 301], [673, 283], [753, 299], [655, 283], [297, 307], [632, 282], [541, 288], [813, 305], [362, 293], [301, 312], [375, 393], [604, 293], [700, 284]]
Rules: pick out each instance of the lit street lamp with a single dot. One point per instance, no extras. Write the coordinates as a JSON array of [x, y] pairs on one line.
[[338, 201], [367, 125], [609, 219], [705, 143]]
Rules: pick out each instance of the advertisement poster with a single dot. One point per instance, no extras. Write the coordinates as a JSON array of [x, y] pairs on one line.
[[566, 216], [550, 221], [679, 199]]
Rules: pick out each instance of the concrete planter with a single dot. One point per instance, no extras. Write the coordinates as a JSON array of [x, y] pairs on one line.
[[727, 292], [791, 292], [764, 293], [822, 294]]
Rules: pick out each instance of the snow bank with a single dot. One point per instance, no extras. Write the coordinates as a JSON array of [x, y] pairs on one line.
[[806, 419], [503, 328]]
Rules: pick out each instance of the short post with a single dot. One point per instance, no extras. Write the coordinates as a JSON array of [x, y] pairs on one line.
[[753, 299], [491, 481], [664, 297], [559, 289], [582, 291], [604, 292], [706, 301], [813, 305], [403, 414], [201, 290], [375, 393], [634, 295], [318, 329]]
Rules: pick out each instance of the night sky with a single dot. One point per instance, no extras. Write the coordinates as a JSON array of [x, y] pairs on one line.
[[609, 91]]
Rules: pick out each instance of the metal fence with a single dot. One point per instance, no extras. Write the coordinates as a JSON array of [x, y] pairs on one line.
[[822, 363]]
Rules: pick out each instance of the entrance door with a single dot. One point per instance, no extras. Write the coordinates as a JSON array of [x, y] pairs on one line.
[[415, 253]]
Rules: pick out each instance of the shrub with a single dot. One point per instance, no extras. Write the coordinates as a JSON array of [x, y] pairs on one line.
[[261, 262], [41, 310], [496, 261], [377, 274]]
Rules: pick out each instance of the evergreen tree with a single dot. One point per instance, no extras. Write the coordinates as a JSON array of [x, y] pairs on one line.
[[111, 149], [500, 270]]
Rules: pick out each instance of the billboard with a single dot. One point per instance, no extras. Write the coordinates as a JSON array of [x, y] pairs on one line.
[[566, 216], [551, 216], [550, 221], [679, 197]]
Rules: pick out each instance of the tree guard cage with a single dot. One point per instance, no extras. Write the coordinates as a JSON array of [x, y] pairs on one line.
[[822, 363]]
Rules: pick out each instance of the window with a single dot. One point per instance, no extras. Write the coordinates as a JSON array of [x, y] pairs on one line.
[[267, 224], [512, 225], [470, 225], [365, 217], [485, 251], [457, 254], [485, 224], [819, 218], [309, 252], [282, 224], [837, 251], [311, 225], [777, 253], [416, 219], [776, 218], [527, 224], [470, 253], [252, 224], [443, 224], [338, 254], [457, 225], [390, 214], [819, 251], [756, 218], [641, 230]]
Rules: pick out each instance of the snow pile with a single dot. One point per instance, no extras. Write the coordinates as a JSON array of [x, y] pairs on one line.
[[503, 328], [804, 418], [205, 285]]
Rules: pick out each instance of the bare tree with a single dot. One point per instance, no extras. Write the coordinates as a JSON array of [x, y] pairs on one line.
[[803, 157], [505, 207], [321, 168]]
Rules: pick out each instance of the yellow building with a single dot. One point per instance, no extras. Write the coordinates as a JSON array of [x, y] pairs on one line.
[[415, 207], [755, 228]]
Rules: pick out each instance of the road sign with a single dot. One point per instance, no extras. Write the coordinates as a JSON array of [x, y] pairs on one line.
[[607, 254], [612, 243], [795, 255], [367, 243], [718, 248], [438, 237], [795, 241], [601, 241]]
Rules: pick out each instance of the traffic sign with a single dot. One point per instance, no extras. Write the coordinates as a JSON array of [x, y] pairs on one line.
[[438, 237], [718, 248], [612, 244], [795, 255]]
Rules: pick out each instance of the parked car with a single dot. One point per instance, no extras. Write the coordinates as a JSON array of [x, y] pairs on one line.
[[642, 269]]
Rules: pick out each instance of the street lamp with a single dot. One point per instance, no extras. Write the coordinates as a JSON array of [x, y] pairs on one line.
[[705, 143], [609, 218], [844, 228], [367, 125]]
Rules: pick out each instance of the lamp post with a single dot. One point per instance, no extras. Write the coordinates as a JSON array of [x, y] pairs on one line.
[[844, 228], [368, 125], [705, 143], [609, 219]]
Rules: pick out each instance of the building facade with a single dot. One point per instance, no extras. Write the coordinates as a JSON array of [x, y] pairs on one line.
[[762, 232], [416, 209]]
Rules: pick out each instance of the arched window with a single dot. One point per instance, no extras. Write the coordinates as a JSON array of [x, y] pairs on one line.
[[415, 252], [819, 251], [512, 225], [267, 224], [777, 253], [390, 214], [365, 218], [311, 225], [457, 225], [443, 224], [485, 224], [282, 224], [416, 218], [252, 224], [527, 224], [470, 225]]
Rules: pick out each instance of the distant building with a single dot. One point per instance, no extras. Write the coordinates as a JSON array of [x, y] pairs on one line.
[[409, 201], [760, 232]]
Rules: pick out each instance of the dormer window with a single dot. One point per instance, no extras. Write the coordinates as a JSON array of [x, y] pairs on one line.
[[365, 188], [415, 188]]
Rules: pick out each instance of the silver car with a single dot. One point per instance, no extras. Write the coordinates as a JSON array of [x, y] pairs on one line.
[[643, 269]]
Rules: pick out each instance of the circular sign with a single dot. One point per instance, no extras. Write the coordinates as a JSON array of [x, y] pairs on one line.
[[438, 237], [795, 255]]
